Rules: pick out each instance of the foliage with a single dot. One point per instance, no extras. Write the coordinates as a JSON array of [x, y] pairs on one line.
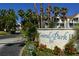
[[64, 11], [30, 48], [21, 13], [28, 16], [38, 51], [56, 11], [52, 24], [29, 24], [7, 19], [57, 51], [31, 33], [69, 48], [29, 30], [44, 52], [42, 46], [76, 27]]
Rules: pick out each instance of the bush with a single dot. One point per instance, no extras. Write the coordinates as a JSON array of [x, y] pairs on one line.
[[38, 51], [36, 44], [69, 49], [42, 46], [57, 51], [44, 52], [30, 48]]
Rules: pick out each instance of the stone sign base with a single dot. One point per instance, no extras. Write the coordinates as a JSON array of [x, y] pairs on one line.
[[55, 37]]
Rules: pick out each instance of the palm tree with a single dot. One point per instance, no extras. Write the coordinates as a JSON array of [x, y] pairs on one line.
[[41, 15], [64, 18], [37, 15], [48, 11], [23, 17], [29, 25], [35, 19], [21, 13], [56, 11]]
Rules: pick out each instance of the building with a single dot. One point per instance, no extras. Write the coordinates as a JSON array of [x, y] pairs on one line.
[[70, 22], [18, 26]]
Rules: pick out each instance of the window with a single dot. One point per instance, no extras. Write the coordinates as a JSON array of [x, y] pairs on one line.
[[71, 25], [56, 19], [62, 25], [75, 19]]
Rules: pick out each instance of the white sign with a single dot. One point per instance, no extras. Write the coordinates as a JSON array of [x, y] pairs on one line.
[[55, 37]]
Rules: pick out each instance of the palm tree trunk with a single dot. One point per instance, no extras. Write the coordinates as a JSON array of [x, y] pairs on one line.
[[37, 15], [41, 21], [41, 13]]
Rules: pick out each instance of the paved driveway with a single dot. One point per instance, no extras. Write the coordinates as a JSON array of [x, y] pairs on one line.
[[11, 46], [10, 50]]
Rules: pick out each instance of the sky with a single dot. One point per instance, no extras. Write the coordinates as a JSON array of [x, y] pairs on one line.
[[72, 7]]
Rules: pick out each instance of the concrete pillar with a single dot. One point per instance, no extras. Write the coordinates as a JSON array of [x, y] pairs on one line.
[[65, 24], [68, 23]]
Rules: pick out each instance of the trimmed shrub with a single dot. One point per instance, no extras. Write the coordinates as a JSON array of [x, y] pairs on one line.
[[38, 51], [57, 51], [42, 46], [43, 51], [69, 49]]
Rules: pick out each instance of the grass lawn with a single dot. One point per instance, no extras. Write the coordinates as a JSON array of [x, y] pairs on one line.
[[3, 33]]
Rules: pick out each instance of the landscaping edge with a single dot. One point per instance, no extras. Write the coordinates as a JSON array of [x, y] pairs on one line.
[[21, 51]]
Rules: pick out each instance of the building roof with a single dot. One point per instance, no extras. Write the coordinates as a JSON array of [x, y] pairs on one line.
[[71, 17]]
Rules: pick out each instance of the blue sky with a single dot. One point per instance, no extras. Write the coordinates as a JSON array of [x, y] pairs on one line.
[[72, 7]]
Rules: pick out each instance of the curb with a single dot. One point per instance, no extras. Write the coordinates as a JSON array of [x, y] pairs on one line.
[[21, 51]]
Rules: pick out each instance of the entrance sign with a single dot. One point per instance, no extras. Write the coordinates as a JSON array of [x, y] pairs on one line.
[[55, 37]]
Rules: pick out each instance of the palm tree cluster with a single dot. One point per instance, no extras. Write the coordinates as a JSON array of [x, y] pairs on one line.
[[7, 19], [29, 23], [46, 18], [27, 18]]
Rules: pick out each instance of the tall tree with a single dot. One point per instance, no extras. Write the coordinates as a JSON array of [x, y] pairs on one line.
[[21, 13], [48, 11], [28, 17], [11, 20], [41, 15], [37, 15], [56, 11], [7, 19], [3, 14], [63, 13], [29, 24]]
